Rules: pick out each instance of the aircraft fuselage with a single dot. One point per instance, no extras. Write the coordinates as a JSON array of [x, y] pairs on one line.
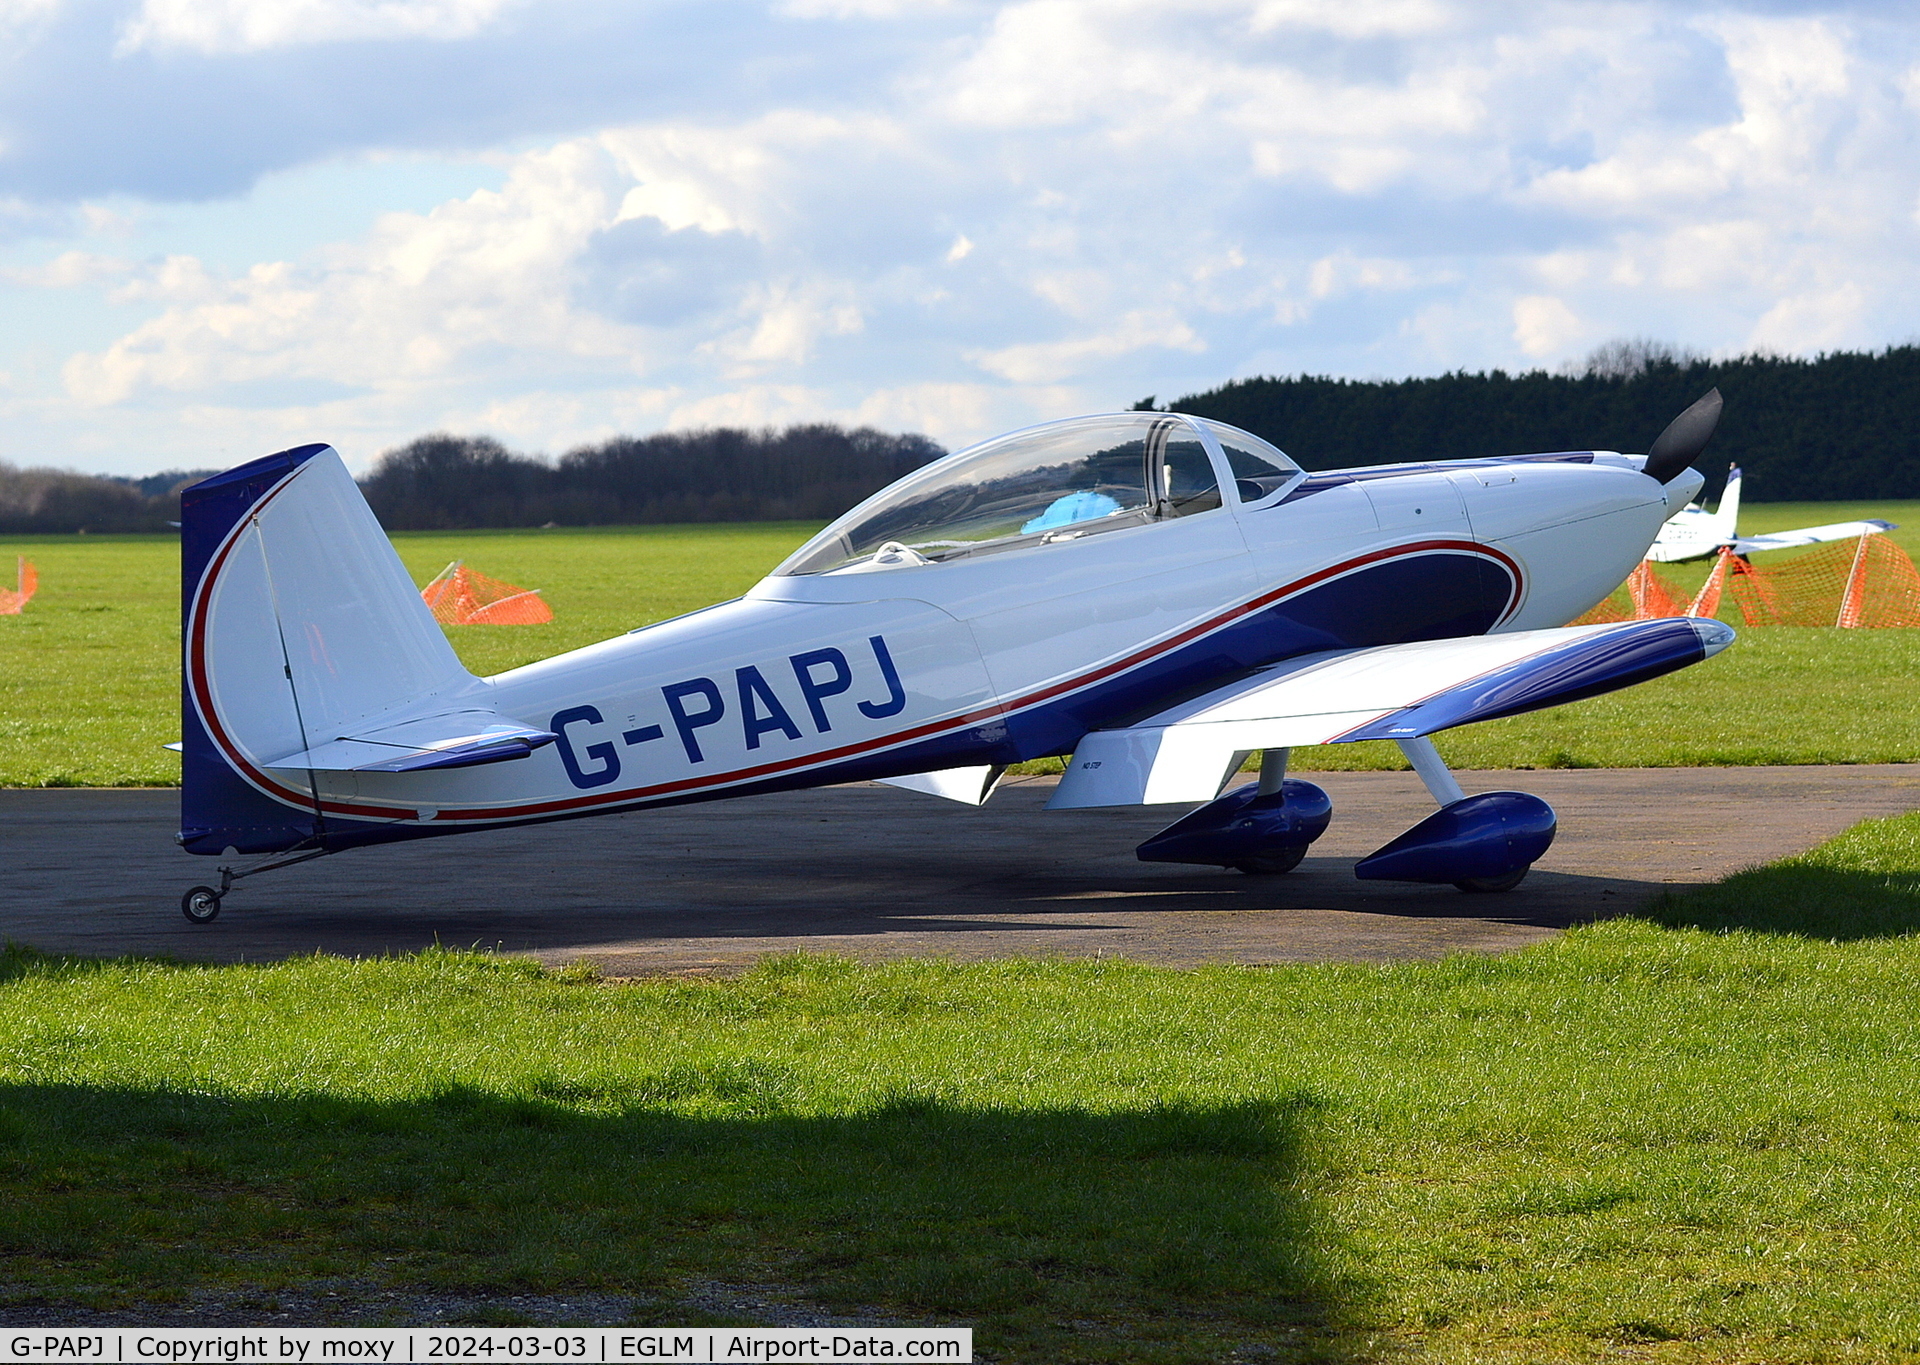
[[870, 670]]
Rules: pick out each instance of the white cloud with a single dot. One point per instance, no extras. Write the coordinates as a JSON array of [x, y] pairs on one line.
[[555, 422], [1344, 19], [472, 281], [68, 269], [1018, 210], [1792, 76], [1345, 272], [859, 9], [1810, 321], [1791, 80], [19, 13], [753, 405], [688, 177], [784, 323], [958, 409], [231, 26], [1047, 362], [1544, 325]]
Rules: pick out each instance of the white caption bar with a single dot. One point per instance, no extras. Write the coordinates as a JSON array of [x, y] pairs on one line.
[[316, 1345]]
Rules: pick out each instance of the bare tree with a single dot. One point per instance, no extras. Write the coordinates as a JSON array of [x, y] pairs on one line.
[[1631, 357]]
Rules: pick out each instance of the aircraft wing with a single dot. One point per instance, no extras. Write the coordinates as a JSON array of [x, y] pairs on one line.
[[1808, 535], [451, 739], [1188, 752]]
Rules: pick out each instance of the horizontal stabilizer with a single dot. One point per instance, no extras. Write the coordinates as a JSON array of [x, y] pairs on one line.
[[1188, 752], [452, 739]]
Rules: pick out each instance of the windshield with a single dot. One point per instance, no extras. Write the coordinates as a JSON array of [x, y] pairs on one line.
[[1258, 468], [1052, 483]]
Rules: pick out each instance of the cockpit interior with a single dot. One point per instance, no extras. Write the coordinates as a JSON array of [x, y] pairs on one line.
[[1061, 481]]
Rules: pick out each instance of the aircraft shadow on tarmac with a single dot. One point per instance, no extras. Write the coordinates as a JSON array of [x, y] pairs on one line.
[[884, 873], [1105, 908]]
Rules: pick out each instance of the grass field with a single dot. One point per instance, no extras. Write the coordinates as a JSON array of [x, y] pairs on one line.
[[1691, 1137], [88, 674]]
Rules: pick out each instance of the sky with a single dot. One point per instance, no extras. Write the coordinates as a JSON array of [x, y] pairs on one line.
[[232, 226]]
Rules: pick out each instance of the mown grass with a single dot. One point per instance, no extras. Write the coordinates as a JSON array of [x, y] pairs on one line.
[[89, 672], [1780, 695], [88, 685], [1690, 1137], [600, 581]]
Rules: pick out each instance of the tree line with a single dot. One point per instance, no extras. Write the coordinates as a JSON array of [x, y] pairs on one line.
[[61, 502], [1844, 425], [810, 472]]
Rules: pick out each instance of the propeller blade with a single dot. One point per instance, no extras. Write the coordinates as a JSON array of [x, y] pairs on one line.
[[1683, 440]]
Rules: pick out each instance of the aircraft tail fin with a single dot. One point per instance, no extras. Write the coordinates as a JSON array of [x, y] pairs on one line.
[[1727, 515], [299, 621]]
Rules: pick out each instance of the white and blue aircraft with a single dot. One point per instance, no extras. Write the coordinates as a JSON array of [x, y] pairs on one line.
[[1694, 533], [1153, 596]]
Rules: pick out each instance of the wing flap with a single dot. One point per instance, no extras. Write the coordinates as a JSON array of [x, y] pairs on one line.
[[968, 786], [451, 739], [1188, 752]]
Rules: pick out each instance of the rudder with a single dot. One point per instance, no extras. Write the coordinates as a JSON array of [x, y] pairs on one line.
[[298, 619]]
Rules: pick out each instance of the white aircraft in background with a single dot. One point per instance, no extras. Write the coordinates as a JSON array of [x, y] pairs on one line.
[[1156, 595], [1694, 532]]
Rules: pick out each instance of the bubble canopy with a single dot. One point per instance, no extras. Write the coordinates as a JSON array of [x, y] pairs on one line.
[[1044, 485]]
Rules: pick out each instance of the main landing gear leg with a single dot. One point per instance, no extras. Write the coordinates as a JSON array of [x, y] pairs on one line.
[[1484, 842], [1273, 770], [1433, 770], [201, 904]]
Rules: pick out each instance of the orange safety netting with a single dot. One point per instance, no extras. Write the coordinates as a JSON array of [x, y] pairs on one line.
[[29, 580], [1648, 596], [1867, 581], [461, 597]]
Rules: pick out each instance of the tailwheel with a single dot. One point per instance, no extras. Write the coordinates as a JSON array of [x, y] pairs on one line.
[[201, 905], [1503, 883]]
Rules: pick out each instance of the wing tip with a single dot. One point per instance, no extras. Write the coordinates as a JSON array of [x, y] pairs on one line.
[[1713, 635]]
